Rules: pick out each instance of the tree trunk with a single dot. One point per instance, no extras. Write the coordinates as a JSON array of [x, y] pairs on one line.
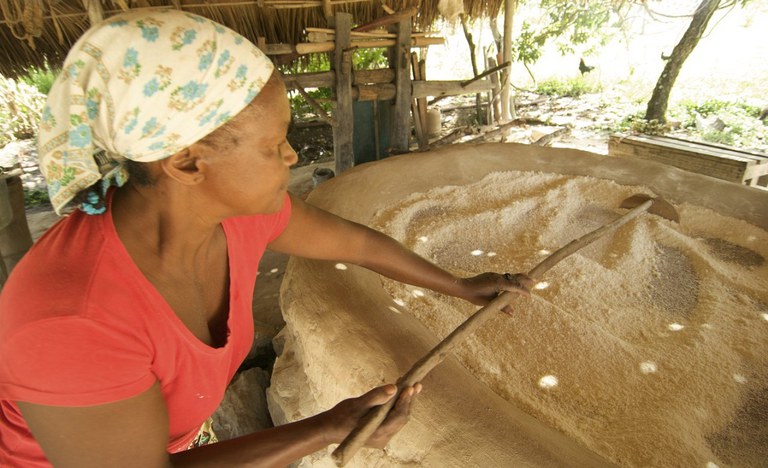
[[657, 106], [473, 59]]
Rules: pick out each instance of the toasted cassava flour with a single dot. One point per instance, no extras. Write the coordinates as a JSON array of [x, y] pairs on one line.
[[650, 346]]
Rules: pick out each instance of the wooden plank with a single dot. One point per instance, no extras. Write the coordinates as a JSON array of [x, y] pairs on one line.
[[709, 159], [342, 65], [718, 146], [328, 79], [707, 148], [641, 140]]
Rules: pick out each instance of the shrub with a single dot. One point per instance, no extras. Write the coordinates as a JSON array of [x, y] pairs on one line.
[[21, 106], [34, 198], [569, 87], [41, 78]]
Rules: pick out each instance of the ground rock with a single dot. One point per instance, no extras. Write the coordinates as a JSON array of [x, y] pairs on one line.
[[244, 408], [345, 333]]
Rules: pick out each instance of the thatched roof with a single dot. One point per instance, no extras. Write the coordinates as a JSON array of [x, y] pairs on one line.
[[33, 31]]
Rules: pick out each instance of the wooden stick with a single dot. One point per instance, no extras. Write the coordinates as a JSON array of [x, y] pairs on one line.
[[547, 139], [389, 19], [482, 75], [419, 107], [316, 106], [451, 137], [368, 425], [497, 131]]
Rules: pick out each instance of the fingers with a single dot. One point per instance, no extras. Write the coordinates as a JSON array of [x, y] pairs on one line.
[[519, 283], [379, 395], [396, 418]]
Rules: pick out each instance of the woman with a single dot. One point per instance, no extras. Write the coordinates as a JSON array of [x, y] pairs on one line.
[[123, 325]]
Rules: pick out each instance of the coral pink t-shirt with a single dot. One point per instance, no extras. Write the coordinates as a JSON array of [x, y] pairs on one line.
[[80, 325]]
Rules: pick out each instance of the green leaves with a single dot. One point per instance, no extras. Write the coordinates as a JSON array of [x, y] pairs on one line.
[[570, 24]]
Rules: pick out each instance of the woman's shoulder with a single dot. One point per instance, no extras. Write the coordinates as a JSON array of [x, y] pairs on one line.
[[57, 275]]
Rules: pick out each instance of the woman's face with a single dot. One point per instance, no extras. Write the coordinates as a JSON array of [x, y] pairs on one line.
[[251, 175]]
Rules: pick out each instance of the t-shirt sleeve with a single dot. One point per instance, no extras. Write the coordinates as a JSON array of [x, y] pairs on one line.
[[73, 361]]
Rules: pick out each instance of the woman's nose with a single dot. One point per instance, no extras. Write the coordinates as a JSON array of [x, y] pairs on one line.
[[289, 155]]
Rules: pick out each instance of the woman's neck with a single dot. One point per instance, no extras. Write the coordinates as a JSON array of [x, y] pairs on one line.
[[163, 224]]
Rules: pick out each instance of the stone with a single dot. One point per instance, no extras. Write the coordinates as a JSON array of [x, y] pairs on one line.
[[244, 408], [345, 334]]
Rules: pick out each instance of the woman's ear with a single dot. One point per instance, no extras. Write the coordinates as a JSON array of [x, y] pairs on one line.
[[186, 166]]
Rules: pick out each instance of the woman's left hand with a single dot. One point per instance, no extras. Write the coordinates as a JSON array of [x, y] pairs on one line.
[[481, 289]]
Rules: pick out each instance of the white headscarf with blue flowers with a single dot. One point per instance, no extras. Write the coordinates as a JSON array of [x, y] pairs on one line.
[[142, 85]]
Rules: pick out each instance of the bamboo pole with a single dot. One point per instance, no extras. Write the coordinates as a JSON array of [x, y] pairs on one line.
[[313, 35], [373, 33], [319, 47]]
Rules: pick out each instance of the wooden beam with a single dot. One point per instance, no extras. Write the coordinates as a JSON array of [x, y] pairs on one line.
[[449, 88], [328, 79], [343, 149], [374, 92], [400, 55]]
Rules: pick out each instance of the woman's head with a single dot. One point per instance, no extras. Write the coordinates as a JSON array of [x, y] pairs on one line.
[[142, 86], [240, 168]]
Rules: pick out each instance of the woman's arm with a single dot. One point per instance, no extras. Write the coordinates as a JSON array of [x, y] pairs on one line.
[[315, 233], [134, 432]]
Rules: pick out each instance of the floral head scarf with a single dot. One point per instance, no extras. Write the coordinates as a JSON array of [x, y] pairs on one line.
[[141, 85]]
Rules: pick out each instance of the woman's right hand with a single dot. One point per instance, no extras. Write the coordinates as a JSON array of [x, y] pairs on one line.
[[345, 416]]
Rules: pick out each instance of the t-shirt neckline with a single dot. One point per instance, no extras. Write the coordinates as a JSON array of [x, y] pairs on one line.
[[114, 242]]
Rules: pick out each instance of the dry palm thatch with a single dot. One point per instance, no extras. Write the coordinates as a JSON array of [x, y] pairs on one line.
[[33, 32]]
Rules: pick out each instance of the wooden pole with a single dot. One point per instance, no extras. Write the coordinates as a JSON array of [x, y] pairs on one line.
[[507, 111], [473, 61], [342, 64], [400, 55], [95, 11], [327, 10], [419, 107], [494, 104], [15, 238]]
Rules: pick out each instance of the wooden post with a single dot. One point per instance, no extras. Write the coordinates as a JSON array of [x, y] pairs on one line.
[[342, 64], [327, 11], [419, 106], [15, 238], [95, 11], [494, 103], [507, 111], [400, 56]]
